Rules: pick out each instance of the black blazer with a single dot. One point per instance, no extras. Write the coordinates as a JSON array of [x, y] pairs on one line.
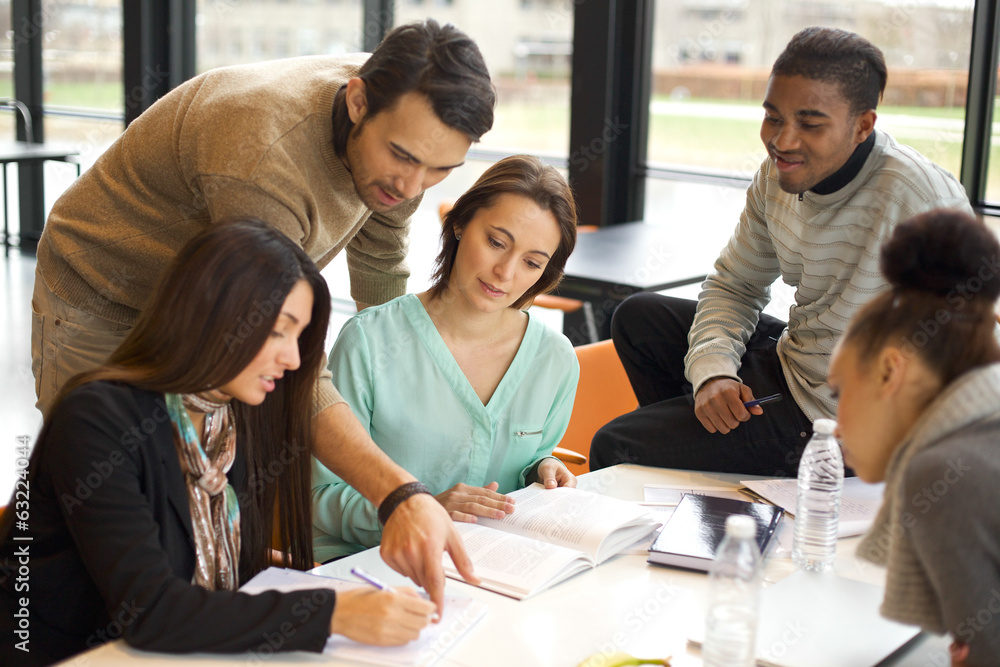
[[112, 551]]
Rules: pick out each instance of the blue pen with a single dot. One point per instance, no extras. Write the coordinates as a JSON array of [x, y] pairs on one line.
[[761, 401], [367, 578]]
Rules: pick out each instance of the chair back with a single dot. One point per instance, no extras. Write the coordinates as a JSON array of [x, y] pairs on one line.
[[603, 393]]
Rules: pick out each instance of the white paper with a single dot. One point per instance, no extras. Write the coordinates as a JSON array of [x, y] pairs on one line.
[[460, 614], [859, 502], [670, 494], [846, 629]]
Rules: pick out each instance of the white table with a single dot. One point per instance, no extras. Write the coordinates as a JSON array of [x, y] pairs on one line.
[[624, 604]]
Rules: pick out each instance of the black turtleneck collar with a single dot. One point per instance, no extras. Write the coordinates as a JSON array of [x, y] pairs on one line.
[[851, 168]]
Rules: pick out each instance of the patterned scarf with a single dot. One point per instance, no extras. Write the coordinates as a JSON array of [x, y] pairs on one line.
[[215, 512]]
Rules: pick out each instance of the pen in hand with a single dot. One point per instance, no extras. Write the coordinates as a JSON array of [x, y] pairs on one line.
[[762, 401], [370, 579]]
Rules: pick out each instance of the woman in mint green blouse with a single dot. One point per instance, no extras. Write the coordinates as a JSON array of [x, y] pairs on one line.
[[457, 384]]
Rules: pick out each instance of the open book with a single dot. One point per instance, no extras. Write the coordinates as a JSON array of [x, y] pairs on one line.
[[551, 535]]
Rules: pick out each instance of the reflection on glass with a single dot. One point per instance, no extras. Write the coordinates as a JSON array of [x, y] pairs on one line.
[[527, 45], [711, 60], [234, 32], [82, 54], [6, 70], [993, 170]]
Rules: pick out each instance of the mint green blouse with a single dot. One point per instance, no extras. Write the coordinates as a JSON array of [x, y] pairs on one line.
[[393, 368]]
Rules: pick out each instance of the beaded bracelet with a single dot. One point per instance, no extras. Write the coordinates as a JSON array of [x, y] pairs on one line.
[[397, 497]]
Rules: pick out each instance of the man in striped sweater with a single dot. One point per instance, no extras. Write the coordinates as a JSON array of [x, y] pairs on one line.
[[831, 190]]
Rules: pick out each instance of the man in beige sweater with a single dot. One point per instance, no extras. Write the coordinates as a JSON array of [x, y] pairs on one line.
[[335, 153], [831, 190]]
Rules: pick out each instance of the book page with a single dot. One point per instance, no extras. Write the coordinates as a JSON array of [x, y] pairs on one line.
[[576, 519], [460, 614], [514, 564], [859, 502]]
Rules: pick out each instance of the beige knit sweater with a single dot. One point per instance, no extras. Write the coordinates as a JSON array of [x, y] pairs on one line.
[[827, 248], [247, 141]]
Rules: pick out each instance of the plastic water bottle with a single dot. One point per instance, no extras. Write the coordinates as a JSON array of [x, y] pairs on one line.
[[733, 597], [821, 479]]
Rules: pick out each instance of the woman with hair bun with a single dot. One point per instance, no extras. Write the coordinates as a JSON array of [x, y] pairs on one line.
[[918, 377]]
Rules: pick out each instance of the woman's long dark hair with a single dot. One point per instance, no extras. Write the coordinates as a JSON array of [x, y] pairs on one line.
[[211, 313]]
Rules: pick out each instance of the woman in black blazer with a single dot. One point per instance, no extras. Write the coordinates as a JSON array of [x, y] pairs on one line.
[[151, 492]]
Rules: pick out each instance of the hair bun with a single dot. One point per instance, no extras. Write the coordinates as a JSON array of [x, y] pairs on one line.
[[943, 252]]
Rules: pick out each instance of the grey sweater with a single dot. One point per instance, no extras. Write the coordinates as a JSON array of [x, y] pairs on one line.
[[938, 531], [826, 247]]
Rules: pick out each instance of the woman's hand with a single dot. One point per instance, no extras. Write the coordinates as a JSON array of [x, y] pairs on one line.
[[551, 473], [465, 503], [384, 618]]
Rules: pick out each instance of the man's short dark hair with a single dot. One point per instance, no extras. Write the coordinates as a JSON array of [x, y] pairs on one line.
[[836, 56], [441, 62]]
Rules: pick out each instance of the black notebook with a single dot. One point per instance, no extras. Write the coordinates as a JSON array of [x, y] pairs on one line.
[[695, 529]]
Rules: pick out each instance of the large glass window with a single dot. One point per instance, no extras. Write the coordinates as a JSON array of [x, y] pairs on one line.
[[83, 94], [711, 60], [6, 69], [527, 45], [234, 33], [82, 56], [993, 169]]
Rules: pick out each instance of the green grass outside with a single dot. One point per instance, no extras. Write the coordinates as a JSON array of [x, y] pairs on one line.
[[543, 127], [102, 95]]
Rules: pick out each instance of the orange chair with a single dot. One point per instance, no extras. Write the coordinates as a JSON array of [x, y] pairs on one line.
[[603, 393]]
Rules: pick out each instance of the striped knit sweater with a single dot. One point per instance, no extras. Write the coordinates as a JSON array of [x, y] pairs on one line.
[[826, 247]]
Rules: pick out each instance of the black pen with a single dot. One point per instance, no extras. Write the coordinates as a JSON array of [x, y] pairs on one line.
[[761, 401]]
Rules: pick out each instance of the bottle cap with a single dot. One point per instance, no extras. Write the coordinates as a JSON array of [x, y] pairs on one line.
[[741, 526], [824, 426]]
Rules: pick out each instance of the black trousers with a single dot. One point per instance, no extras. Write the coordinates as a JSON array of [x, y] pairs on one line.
[[650, 334]]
